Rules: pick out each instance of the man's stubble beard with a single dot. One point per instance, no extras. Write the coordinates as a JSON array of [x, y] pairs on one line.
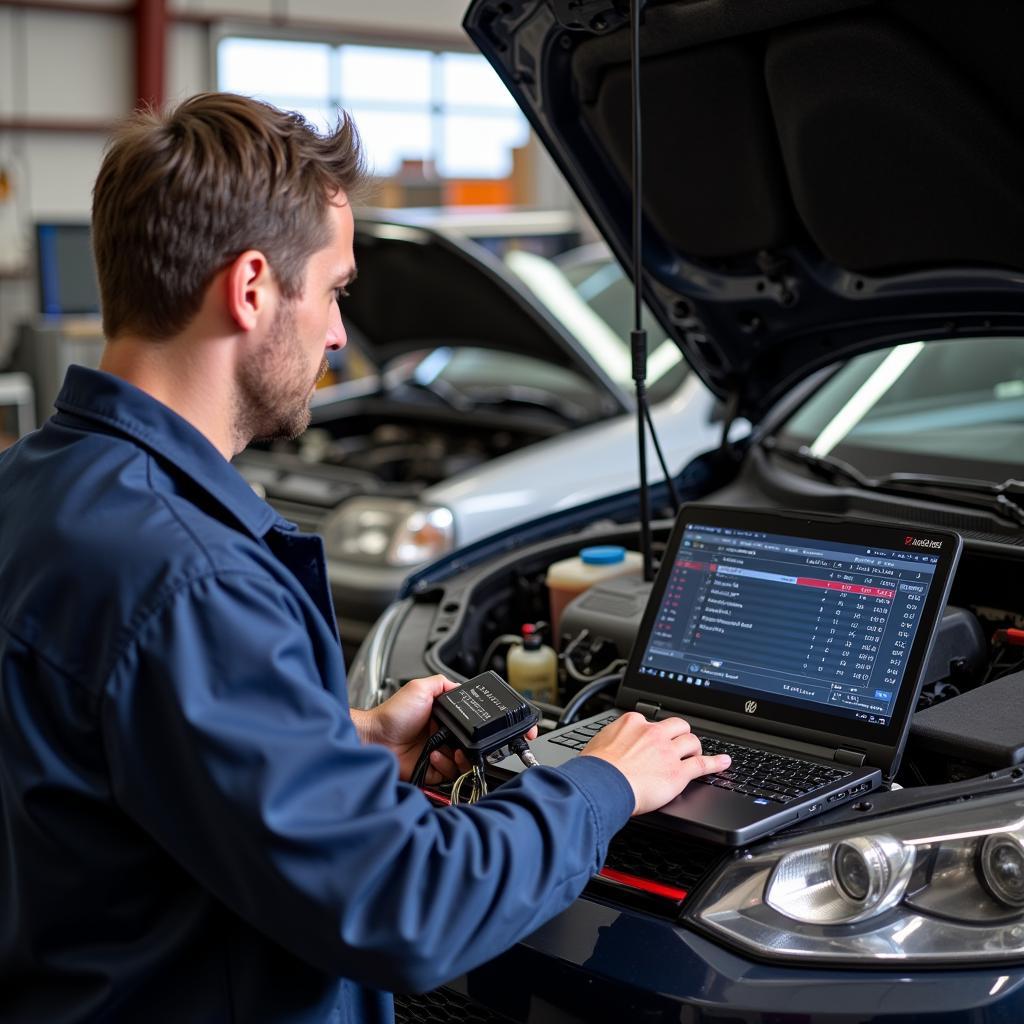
[[273, 391]]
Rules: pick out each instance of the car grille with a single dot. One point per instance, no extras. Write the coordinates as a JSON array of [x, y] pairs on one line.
[[443, 1006], [647, 854], [652, 854]]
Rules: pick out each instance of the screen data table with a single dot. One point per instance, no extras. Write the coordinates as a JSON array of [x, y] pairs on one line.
[[798, 621]]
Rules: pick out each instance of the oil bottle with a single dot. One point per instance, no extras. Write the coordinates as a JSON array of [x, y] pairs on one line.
[[533, 667]]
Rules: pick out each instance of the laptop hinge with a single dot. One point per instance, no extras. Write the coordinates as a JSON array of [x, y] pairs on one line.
[[647, 709], [856, 758]]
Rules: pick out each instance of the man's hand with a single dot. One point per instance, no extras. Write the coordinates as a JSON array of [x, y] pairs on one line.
[[403, 724], [657, 758]]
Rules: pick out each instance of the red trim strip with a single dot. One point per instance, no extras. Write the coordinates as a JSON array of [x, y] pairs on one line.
[[643, 884]]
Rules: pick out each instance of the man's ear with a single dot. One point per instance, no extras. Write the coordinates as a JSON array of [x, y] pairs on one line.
[[250, 286]]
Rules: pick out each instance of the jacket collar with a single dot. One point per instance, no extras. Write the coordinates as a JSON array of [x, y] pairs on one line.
[[108, 400]]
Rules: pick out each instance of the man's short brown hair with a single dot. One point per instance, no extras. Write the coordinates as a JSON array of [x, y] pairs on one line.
[[181, 194]]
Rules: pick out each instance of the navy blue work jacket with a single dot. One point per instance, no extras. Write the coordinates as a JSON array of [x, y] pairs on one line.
[[191, 829]]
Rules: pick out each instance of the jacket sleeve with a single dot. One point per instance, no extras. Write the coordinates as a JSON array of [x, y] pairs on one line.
[[224, 745]]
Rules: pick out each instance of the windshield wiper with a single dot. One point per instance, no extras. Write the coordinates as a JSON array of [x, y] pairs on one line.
[[827, 466], [998, 498]]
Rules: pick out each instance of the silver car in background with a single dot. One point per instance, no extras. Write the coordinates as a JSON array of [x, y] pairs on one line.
[[491, 390]]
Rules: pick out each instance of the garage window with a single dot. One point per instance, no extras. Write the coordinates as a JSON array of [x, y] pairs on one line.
[[444, 108]]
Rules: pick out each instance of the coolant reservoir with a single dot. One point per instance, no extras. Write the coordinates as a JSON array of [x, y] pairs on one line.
[[571, 576]]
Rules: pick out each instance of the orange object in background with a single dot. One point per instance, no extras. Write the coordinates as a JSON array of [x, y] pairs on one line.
[[417, 183], [479, 192]]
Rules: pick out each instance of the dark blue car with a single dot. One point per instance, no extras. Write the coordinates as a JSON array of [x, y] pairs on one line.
[[833, 205]]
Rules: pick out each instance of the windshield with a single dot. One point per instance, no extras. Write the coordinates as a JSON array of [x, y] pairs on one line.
[[951, 407], [586, 290]]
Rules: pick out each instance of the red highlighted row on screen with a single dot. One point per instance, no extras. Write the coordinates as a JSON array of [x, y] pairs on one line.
[[800, 581]]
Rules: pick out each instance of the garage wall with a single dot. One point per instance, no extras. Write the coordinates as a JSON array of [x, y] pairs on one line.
[[54, 67], [77, 69], [409, 17], [69, 67]]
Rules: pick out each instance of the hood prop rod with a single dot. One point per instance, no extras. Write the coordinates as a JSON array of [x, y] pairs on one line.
[[638, 336]]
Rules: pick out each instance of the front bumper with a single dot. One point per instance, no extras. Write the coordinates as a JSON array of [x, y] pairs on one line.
[[597, 963]]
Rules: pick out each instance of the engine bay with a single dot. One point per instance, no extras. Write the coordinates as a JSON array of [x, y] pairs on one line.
[[407, 451], [980, 642]]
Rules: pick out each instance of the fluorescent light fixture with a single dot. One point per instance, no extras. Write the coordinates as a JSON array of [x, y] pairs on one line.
[[866, 396]]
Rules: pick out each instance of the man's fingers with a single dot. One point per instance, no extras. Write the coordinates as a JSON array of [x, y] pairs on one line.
[[632, 720], [687, 744], [674, 727], [433, 686], [452, 764], [442, 768], [532, 734], [704, 764]]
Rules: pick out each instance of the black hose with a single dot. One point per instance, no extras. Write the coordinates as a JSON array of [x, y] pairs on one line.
[[572, 709]]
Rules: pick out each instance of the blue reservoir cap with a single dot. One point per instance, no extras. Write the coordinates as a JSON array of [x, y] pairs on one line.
[[603, 554]]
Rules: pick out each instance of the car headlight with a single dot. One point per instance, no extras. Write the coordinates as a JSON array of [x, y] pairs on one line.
[[389, 531], [943, 884]]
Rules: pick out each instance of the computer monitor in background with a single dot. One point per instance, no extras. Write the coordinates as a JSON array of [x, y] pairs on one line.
[[67, 275], [67, 329]]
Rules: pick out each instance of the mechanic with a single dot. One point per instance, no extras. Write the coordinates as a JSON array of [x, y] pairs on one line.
[[195, 826]]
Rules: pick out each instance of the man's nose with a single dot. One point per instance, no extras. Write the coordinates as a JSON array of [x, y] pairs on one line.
[[336, 336]]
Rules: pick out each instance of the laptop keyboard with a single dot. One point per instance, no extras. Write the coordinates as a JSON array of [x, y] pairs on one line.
[[753, 772], [760, 773], [579, 737]]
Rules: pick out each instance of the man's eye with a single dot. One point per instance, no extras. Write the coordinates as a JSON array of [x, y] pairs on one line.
[[340, 293]]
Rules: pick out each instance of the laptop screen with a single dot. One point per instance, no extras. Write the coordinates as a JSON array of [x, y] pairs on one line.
[[814, 619]]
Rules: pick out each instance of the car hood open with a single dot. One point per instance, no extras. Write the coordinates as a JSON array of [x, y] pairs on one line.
[[821, 177], [420, 287]]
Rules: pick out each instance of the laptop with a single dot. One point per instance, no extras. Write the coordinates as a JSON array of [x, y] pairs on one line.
[[793, 642]]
